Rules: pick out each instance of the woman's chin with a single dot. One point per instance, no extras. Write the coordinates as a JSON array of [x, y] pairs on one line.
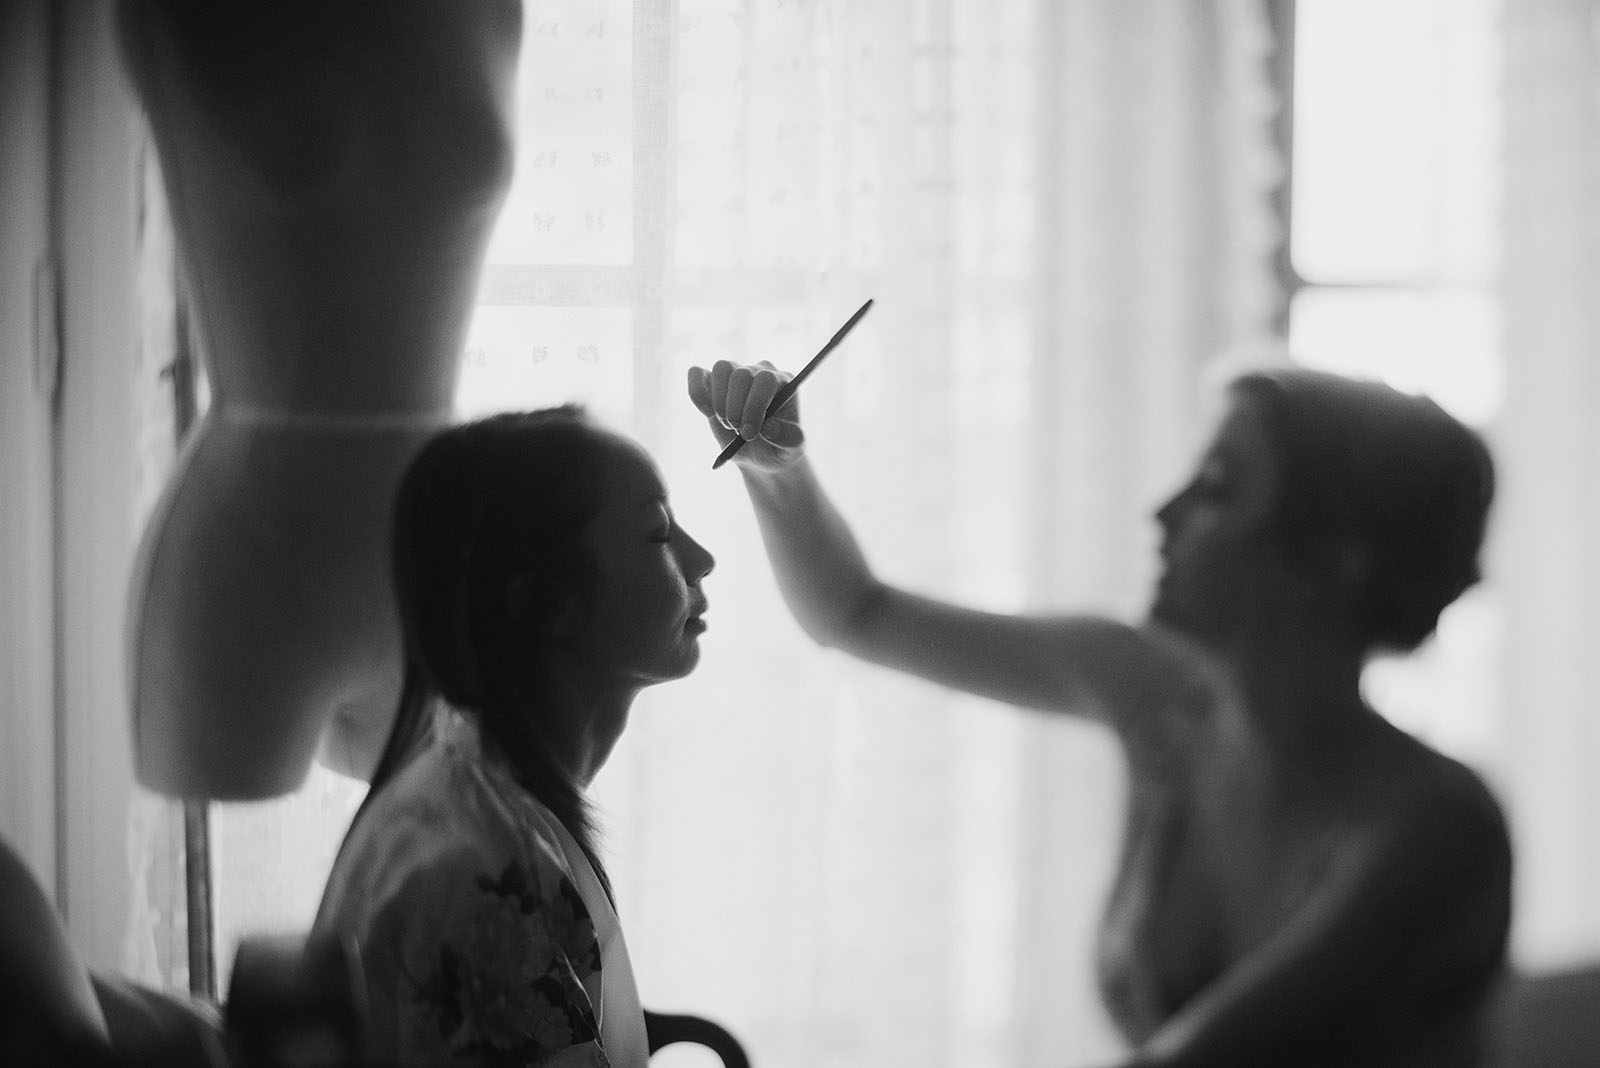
[[1160, 610], [690, 658], [1166, 614]]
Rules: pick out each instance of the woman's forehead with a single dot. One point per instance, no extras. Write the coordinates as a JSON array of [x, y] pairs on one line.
[[1244, 438], [631, 475], [1244, 421]]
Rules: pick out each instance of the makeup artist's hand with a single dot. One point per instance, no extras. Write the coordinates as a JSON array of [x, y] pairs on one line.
[[733, 398]]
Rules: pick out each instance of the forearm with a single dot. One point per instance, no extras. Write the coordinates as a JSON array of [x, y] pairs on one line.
[[821, 572]]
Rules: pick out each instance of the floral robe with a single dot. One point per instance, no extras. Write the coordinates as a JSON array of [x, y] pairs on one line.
[[485, 935]]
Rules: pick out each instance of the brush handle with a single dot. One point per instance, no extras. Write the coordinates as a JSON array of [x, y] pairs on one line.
[[788, 389]]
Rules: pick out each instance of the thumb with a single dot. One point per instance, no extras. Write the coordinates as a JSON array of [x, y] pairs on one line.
[[719, 430], [784, 433], [700, 392]]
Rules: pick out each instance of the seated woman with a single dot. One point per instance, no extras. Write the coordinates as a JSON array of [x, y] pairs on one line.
[[1302, 884], [542, 582]]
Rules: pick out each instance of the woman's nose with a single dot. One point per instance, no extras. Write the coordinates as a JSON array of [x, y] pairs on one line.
[[697, 559], [1166, 513]]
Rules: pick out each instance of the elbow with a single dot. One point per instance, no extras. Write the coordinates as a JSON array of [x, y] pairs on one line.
[[846, 620]]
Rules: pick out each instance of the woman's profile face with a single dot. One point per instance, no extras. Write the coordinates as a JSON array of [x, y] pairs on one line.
[[644, 622], [1218, 539]]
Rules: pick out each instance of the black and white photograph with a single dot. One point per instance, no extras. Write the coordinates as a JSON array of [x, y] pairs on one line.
[[800, 533]]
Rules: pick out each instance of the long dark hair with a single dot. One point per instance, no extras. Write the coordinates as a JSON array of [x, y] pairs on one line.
[[485, 542]]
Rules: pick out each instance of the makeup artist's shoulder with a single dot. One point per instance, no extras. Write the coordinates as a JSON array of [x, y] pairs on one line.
[[1139, 666]]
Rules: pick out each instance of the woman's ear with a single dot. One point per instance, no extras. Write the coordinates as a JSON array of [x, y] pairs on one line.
[[540, 602], [1345, 565], [1352, 563]]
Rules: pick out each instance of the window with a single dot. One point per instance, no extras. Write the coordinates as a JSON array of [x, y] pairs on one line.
[[1390, 269], [1392, 222]]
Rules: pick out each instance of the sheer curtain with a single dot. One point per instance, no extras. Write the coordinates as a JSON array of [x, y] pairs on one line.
[[154, 947], [1062, 210], [1548, 550]]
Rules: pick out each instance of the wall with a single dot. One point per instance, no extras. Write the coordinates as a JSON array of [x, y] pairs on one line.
[[69, 196], [27, 658], [97, 186]]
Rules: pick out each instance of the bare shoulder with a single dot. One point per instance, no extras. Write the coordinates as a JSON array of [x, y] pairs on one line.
[[1447, 796], [1449, 856], [1136, 671], [1439, 820], [1154, 685]]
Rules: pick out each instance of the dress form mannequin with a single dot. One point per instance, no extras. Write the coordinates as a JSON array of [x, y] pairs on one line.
[[333, 169]]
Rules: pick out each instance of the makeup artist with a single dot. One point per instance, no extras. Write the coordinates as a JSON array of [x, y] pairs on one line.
[[1301, 883]]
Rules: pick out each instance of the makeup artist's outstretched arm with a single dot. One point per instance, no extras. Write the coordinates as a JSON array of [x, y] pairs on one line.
[[1080, 664]]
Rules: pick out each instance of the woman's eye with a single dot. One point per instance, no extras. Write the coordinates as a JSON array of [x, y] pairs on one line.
[[1212, 481], [661, 536], [1206, 488]]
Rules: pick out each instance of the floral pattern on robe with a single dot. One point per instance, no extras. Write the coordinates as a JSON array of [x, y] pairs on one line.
[[476, 940]]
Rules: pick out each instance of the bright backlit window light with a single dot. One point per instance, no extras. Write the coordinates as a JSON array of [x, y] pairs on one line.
[[1438, 343], [1393, 236]]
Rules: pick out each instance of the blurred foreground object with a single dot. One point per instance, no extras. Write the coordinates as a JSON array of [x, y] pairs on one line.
[[295, 1002]]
